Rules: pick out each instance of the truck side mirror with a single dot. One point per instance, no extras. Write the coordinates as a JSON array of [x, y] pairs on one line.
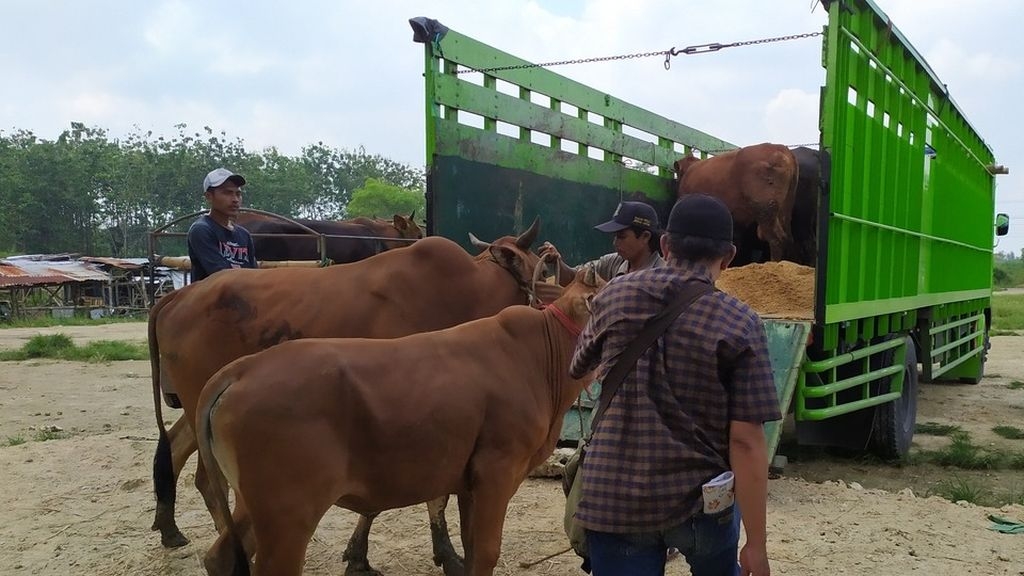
[[1002, 224]]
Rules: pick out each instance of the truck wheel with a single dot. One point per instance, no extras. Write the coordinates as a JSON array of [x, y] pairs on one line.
[[894, 423]]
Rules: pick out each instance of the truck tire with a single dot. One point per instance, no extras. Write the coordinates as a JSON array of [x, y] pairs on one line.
[[894, 422]]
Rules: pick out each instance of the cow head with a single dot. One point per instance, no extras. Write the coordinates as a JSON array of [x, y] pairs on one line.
[[576, 297], [512, 253], [683, 164], [407, 227]]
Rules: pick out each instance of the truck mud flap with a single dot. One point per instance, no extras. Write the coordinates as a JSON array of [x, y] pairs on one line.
[[787, 345]]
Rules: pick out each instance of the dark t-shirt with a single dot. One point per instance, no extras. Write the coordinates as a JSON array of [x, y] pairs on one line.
[[212, 247]]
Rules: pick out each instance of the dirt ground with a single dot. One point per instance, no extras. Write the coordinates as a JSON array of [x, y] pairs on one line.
[[83, 504]]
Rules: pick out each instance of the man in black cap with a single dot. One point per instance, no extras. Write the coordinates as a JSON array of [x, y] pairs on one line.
[[680, 450], [215, 242], [636, 241]]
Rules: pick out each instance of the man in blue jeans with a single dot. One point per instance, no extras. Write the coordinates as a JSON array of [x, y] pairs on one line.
[[693, 407]]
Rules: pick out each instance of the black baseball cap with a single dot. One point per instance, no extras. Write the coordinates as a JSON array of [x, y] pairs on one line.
[[630, 214], [702, 216]]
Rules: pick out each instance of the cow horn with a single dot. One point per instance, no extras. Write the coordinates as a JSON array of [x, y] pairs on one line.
[[590, 279], [525, 240], [478, 242], [411, 216]]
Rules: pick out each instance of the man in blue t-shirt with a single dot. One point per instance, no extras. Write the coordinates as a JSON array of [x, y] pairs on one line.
[[214, 241]]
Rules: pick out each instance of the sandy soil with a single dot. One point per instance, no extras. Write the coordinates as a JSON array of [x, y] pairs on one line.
[[83, 504]]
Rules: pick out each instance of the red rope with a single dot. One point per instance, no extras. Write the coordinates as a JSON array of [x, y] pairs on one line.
[[564, 320]]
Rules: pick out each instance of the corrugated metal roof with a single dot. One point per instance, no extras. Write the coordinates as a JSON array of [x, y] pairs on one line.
[[26, 272], [124, 263]]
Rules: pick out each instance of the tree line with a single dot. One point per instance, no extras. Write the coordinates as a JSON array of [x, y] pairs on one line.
[[89, 193]]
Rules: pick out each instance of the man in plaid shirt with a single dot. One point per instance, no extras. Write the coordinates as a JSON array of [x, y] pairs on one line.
[[693, 408]]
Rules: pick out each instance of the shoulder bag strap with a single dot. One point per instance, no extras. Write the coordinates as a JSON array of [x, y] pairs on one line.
[[654, 327]]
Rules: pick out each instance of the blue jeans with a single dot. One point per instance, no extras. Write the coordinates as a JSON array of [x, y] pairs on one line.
[[709, 544]]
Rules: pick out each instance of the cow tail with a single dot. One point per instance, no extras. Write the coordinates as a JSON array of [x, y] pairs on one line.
[[163, 465], [221, 509]]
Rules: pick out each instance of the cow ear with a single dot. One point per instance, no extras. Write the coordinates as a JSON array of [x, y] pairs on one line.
[[507, 257], [400, 223]]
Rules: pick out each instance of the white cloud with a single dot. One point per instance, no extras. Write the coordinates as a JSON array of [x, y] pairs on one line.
[[169, 26], [950, 59], [792, 117], [347, 72]]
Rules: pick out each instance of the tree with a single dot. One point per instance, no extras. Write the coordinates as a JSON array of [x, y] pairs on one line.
[[377, 199], [85, 192]]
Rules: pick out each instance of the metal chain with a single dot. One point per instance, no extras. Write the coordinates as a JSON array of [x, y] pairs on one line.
[[564, 62], [668, 54]]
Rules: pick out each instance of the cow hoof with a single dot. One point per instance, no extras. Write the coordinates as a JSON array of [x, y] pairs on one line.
[[363, 570], [453, 566], [173, 540]]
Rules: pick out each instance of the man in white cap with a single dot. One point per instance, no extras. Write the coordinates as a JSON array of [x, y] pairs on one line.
[[215, 242]]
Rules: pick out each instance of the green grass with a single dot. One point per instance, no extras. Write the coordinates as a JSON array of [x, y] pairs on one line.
[[1015, 461], [1015, 385], [60, 347], [963, 489], [961, 453], [50, 322], [936, 429], [1009, 432], [1014, 495], [976, 492], [15, 440], [1008, 312]]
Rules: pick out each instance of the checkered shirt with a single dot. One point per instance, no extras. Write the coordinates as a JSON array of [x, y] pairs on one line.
[[666, 431]]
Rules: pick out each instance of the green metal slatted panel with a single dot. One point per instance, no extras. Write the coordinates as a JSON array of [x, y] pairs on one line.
[[507, 145], [903, 219]]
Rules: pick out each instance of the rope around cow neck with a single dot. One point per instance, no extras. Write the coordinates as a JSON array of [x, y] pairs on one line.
[[564, 320]]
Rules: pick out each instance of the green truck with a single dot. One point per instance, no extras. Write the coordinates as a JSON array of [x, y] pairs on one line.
[[905, 210]]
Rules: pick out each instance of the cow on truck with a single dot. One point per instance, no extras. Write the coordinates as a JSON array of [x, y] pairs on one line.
[[758, 185]]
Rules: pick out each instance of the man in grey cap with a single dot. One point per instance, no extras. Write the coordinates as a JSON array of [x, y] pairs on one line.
[[636, 236], [215, 242], [686, 421]]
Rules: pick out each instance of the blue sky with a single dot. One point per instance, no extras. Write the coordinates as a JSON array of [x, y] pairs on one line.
[[347, 73]]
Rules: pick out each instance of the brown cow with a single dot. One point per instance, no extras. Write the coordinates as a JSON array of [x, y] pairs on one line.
[[199, 329], [356, 432], [371, 236], [757, 183], [400, 227]]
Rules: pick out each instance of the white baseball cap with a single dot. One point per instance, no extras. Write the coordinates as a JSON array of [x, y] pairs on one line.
[[220, 176]]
